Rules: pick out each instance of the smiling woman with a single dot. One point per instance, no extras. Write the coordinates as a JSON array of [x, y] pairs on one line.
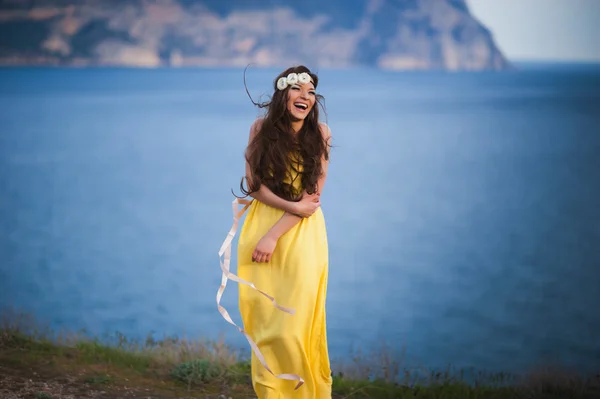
[[288, 138], [283, 246]]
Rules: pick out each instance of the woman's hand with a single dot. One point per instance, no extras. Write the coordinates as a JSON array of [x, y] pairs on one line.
[[264, 249], [307, 205]]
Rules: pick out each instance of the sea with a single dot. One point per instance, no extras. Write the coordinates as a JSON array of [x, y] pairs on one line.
[[462, 209]]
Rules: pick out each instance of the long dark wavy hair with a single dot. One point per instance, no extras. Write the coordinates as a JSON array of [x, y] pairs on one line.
[[276, 152]]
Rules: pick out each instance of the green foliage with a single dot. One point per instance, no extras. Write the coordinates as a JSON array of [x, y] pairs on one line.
[[381, 374], [239, 373], [197, 371], [98, 379], [92, 352]]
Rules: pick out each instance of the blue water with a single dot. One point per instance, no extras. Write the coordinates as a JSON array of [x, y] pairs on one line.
[[462, 209]]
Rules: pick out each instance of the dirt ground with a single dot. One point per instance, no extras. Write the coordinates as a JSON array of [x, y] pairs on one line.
[[50, 379]]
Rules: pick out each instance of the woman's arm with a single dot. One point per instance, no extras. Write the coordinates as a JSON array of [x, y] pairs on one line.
[[265, 247], [267, 197], [326, 132]]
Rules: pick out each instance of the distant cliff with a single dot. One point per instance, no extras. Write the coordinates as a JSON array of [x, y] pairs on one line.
[[390, 34]]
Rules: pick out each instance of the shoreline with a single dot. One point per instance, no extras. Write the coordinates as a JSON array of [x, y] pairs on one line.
[[37, 363]]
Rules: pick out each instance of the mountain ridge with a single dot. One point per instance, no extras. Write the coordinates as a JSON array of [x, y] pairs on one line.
[[387, 34]]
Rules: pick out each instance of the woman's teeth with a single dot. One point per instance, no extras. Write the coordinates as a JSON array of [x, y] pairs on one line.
[[301, 106]]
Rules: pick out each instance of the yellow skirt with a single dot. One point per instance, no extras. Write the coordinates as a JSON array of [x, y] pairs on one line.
[[296, 277]]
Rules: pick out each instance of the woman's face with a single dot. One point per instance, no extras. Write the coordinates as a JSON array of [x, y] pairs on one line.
[[301, 99]]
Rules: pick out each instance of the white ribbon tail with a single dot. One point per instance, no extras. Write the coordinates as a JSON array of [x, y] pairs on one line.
[[225, 252]]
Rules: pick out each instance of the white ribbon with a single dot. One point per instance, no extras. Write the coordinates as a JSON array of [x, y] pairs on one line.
[[225, 252]]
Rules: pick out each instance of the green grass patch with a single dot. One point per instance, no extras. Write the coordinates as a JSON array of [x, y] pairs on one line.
[[382, 389], [95, 352], [212, 366], [199, 371], [103, 379]]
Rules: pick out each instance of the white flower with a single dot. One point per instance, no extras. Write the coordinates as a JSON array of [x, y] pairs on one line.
[[282, 83], [292, 79], [304, 78]]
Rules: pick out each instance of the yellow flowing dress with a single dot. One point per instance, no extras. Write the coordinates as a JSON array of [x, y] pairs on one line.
[[296, 277]]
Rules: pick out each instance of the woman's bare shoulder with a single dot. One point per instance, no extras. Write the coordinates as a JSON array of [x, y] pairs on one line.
[[325, 130], [255, 127]]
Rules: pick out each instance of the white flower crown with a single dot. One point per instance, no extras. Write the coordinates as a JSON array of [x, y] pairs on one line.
[[292, 79]]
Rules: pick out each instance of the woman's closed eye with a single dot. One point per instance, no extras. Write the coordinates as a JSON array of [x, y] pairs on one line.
[[296, 87]]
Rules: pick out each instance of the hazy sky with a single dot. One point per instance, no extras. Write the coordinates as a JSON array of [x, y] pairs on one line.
[[563, 30]]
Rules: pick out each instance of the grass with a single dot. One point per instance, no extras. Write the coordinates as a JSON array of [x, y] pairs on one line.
[[36, 363]]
